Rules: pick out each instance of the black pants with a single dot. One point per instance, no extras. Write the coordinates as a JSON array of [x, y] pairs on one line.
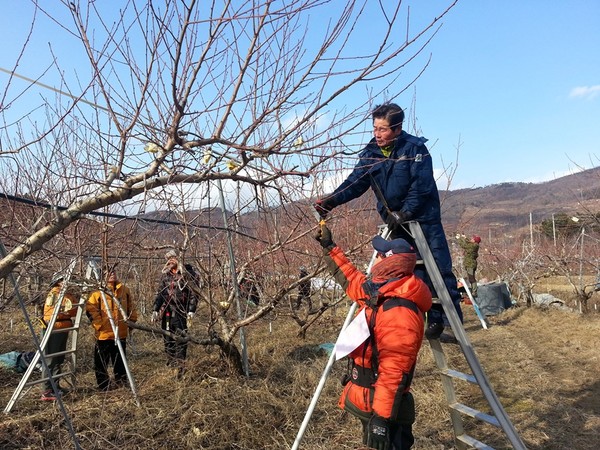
[[303, 297], [436, 240], [105, 354], [56, 343], [176, 350]]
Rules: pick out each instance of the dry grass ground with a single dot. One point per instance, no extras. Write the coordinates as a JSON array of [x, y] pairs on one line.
[[543, 365]]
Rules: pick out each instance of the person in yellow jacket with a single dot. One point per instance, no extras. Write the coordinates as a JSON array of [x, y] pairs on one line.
[[122, 308], [57, 342]]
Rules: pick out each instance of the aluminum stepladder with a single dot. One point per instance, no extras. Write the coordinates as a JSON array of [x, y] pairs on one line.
[[499, 418], [68, 368], [70, 353]]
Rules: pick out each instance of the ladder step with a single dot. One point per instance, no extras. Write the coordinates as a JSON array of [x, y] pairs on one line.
[[65, 352], [468, 411], [64, 330], [43, 380], [473, 442], [460, 375]]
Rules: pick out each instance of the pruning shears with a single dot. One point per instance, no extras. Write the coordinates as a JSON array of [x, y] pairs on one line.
[[320, 219]]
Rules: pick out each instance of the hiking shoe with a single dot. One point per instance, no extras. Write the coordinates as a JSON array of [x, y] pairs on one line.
[[448, 338], [434, 330], [49, 396]]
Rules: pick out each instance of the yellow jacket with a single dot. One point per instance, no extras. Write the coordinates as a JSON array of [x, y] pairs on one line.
[[96, 311], [67, 311]]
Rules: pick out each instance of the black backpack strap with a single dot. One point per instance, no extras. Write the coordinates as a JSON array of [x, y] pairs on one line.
[[387, 304], [399, 301]]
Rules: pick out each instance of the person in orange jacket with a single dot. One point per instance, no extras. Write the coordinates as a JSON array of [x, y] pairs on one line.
[[57, 342], [392, 301], [122, 308]]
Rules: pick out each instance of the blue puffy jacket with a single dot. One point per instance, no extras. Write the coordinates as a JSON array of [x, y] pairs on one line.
[[405, 179]]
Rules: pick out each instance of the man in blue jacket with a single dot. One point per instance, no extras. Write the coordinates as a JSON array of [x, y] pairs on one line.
[[398, 167]]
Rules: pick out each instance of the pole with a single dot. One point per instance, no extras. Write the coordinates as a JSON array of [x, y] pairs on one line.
[[234, 281], [581, 269], [531, 229], [554, 229], [385, 234]]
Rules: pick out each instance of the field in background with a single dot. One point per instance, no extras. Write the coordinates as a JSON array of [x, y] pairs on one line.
[[543, 365]]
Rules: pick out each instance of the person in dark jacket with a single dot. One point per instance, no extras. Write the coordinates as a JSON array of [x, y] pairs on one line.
[[391, 303], [398, 167], [249, 290], [304, 290], [174, 306]]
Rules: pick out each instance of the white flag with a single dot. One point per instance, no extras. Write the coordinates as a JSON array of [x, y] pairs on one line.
[[352, 336]]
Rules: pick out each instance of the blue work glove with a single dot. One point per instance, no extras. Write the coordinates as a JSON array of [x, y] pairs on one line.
[[397, 218], [325, 238], [378, 433]]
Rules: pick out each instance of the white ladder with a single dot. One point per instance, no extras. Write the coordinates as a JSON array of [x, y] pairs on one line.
[[498, 418], [68, 368]]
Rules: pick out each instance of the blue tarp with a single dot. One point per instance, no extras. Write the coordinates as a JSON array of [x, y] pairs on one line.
[[18, 361]]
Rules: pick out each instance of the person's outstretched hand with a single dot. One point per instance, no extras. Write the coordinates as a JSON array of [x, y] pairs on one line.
[[396, 218], [325, 238], [323, 207]]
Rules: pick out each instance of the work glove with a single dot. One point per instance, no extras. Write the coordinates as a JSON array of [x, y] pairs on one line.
[[378, 433], [190, 316], [323, 207], [325, 238], [154, 316], [397, 218]]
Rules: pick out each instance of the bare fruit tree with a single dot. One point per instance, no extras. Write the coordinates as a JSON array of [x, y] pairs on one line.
[[134, 108]]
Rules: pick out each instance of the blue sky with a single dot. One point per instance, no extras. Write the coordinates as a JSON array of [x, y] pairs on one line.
[[515, 83], [518, 83]]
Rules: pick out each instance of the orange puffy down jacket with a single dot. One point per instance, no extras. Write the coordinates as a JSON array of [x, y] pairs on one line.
[[96, 310], [398, 332]]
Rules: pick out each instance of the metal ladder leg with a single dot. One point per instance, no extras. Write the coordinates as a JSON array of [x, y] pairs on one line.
[[499, 418], [39, 354]]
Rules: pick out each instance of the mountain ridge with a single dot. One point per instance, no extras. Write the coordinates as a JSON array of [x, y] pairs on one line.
[[511, 204]]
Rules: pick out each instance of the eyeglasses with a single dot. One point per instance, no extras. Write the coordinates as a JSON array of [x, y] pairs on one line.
[[381, 129]]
